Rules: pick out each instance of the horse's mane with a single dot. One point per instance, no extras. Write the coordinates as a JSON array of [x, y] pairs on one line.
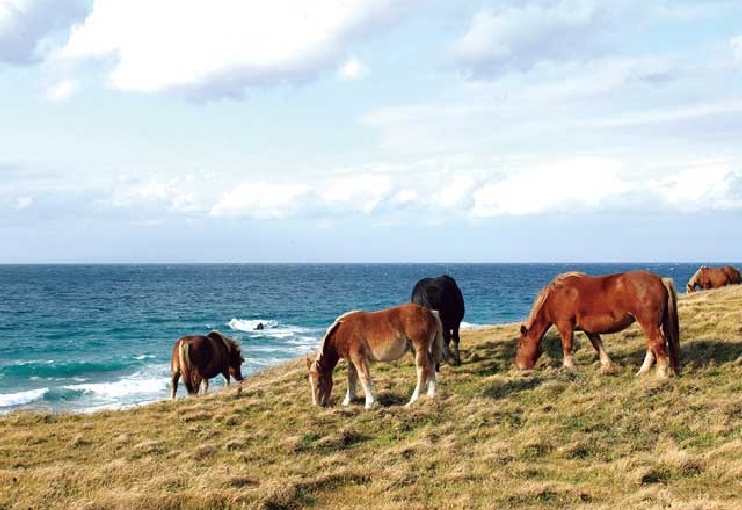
[[232, 345], [696, 275], [330, 331], [546, 291]]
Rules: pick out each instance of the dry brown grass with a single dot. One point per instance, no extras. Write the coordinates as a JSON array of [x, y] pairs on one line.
[[493, 438]]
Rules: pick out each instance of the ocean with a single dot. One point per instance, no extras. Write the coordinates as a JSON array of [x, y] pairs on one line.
[[80, 338]]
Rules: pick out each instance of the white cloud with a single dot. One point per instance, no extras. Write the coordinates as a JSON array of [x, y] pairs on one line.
[[524, 34], [61, 91], [582, 183], [362, 193], [697, 187], [24, 202], [26, 24], [261, 200], [457, 194], [352, 70], [218, 48]]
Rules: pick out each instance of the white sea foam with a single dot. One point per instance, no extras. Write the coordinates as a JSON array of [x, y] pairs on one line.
[[21, 398], [272, 328], [471, 325], [252, 324], [134, 385]]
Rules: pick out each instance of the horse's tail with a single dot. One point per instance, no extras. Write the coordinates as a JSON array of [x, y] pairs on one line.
[[184, 359], [437, 346], [671, 324]]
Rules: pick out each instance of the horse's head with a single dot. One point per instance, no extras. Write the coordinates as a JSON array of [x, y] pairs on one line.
[[235, 361], [690, 287], [320, 382], [234, 367], [527, 350]]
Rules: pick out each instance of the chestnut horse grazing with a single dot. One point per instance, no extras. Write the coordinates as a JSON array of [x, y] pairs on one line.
[[713, 277], [603, 305], [361, 337], [199, 358]]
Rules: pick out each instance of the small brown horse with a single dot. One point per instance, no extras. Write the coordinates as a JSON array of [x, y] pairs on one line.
[[361, 337], [603, 305], [735, 277], [713, 277], [199, 358]]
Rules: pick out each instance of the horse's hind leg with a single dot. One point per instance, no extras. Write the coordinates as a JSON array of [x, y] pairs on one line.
[[605, 360], [203, 388], [425, 374], [352, 380], [656, 347], [429, 375], [174, 384]]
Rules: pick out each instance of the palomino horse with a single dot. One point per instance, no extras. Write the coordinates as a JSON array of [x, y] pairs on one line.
[[441, 293], [199, 358], [361, 337], [603, 305], [713, 277]]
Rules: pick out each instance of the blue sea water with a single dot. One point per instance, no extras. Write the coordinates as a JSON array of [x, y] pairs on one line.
[[86, 337]]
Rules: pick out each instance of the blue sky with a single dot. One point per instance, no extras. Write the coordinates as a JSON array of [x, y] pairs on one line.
[[370, 131]]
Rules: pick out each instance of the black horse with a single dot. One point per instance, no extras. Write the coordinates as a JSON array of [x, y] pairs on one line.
[[442, 294]]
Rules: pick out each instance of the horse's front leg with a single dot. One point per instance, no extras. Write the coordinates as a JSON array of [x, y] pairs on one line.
[[203, 388], [605, 360], [350, 395], [225, 374], [456, 341], [425, 375], [368, 385], [567, 334]]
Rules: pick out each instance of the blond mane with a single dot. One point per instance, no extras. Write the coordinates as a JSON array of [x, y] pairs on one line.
[[330, 331], [545, 292], [696, 275]]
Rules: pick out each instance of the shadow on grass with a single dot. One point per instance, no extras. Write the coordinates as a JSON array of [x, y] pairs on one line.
[[486, 358], [506, 388], [698, 353]]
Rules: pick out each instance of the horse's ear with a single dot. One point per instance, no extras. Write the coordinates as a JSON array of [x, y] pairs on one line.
[[523, 330]]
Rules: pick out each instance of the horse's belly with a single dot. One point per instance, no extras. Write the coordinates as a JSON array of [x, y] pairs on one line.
[[387, 352], [606, 324]]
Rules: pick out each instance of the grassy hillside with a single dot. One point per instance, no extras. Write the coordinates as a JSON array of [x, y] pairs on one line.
[[493, 438]]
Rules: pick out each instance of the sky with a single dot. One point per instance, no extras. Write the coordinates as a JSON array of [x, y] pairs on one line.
[[370, 131]]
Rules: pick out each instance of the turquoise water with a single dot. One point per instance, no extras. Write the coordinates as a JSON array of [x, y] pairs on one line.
[[86, 337]]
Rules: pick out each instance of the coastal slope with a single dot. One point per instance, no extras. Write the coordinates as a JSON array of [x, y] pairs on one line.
[[492, 438]]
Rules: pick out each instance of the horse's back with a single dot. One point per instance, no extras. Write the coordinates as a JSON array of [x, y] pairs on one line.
[[440, 293], [384, 334], [628, 291]]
